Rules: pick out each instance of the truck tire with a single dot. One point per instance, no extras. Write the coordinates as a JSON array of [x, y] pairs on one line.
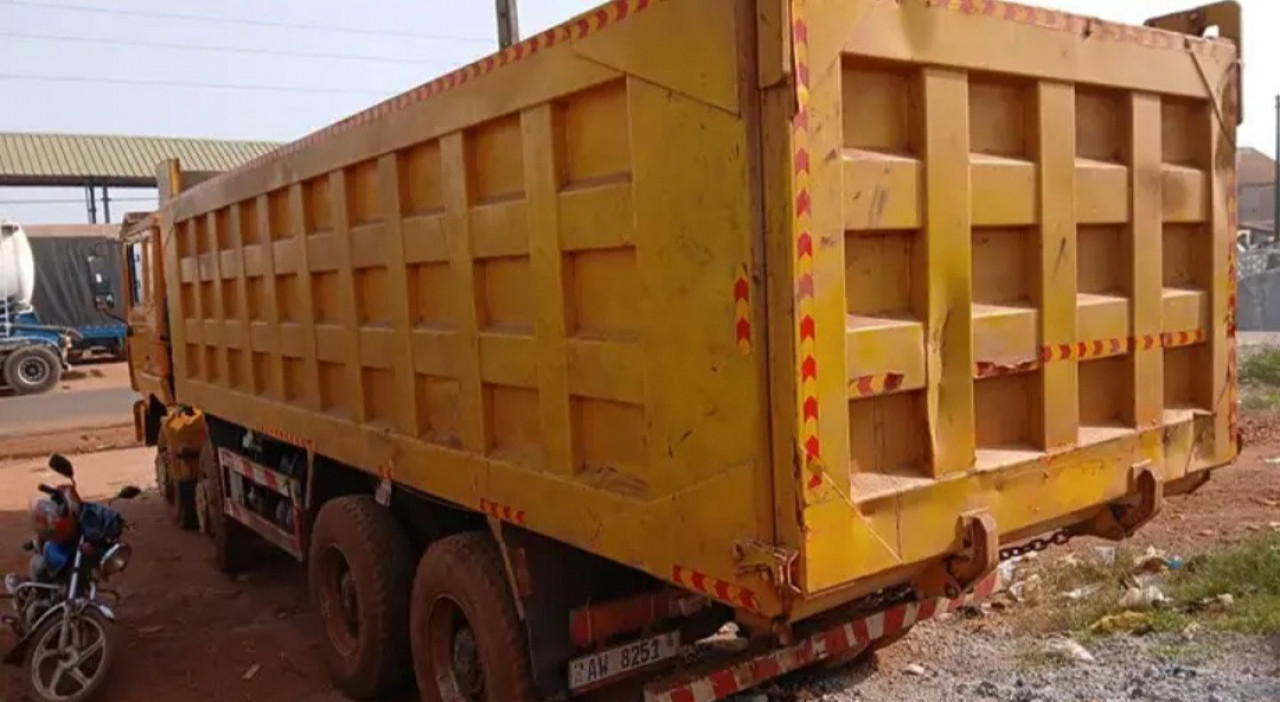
[[232, 541], [32, 369], [360, 570], [179, 496], [468, 642]]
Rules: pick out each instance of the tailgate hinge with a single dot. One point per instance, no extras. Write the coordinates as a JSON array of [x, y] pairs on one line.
[[979, 555], [755, 556], [1119, 520]]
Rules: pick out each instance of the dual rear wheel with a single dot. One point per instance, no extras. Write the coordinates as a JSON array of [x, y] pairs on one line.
[[453, 617]]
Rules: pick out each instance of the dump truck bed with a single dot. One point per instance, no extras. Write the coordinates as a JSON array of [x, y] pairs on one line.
[[786, 316]]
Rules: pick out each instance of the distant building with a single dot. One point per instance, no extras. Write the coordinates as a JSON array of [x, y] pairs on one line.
[[1256, 176]]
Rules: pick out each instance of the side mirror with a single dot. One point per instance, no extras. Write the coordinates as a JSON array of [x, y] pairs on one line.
[[100, 284], [128, 492], [59, 464]]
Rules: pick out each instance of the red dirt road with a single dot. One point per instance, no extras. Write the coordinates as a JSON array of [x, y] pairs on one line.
[[192, 634]]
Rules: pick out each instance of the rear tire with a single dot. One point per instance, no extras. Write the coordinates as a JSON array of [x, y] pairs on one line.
[[468, 642], [360, 569], [179, 495], [232, 541], [32, 369]]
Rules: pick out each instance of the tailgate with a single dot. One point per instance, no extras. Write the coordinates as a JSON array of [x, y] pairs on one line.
[[1013, 236]]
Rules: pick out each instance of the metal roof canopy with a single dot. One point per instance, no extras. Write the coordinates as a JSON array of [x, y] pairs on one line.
[[73, 160]]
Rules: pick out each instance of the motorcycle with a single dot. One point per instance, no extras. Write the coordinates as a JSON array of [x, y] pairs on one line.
[[65, 629]]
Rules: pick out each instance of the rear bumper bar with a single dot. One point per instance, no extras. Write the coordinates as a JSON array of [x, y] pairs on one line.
[[749, 670]]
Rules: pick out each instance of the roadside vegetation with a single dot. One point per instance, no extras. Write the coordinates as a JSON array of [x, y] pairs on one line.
[[1260, 378], [1234, 588]]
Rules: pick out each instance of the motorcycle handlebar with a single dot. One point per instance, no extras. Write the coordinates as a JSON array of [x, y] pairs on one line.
[[53, 493]]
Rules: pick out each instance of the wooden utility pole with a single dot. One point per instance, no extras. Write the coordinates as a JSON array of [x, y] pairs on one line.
[[508, 23]]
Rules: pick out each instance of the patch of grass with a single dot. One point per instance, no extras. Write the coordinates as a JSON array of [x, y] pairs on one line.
[[1261, 367], [1259, 400], [1056, 612], [1249, 572]]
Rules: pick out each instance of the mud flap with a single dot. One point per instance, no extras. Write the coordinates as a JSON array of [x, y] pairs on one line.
[[550, 580]]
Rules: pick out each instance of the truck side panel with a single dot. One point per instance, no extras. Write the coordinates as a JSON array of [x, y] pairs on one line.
[[528, 287]]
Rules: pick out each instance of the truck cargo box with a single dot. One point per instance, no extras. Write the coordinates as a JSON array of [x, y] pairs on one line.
[[781, 302]]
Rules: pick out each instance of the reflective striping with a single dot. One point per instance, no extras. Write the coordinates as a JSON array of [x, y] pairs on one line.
[[744, 674], [288, 438], [260, 475], [506, 513], [742, 310], [806, 327], [1178, 339], [291, 544], [879, 384], [1085, 26], [726, 592], [1089, 350]]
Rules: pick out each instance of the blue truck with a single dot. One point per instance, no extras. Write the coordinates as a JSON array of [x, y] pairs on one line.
[[47, 313]]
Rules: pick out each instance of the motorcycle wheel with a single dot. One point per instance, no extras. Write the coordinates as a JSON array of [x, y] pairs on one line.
[[80, 671]]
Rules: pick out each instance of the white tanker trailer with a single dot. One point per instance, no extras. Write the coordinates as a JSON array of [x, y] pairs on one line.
[[33, 356]]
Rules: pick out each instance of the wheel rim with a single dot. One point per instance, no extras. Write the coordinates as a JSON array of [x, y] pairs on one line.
[[455, 657], [339, 604], [34, 371], [63, 674]]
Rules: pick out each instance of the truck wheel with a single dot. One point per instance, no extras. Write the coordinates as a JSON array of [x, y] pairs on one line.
[[468, 643], [164, 479], [179, 495], [32, 369], [359, 569], [232, 541]]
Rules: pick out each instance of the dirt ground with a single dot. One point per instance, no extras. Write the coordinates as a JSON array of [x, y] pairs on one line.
[[189, 632], [95, 375], [193, 634], [90, 375]]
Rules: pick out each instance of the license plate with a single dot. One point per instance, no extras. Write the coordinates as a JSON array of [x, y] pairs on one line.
[[605, 665]]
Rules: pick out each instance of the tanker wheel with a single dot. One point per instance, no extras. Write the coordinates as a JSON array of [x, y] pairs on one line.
[[468, 643], [32, 369], [179, 495], [232, 541], [360, 570]]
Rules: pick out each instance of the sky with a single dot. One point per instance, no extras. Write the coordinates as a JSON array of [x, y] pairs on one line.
[[119, 67]]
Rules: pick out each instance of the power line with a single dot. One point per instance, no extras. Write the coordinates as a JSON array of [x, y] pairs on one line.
[[221, 49], [68, 201], [247, 22], [203, 86]]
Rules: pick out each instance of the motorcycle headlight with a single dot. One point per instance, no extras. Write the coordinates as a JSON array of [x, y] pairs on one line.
[[116, 559]]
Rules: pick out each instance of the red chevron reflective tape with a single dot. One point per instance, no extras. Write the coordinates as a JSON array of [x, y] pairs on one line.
[[876, 384], [742, 310], [806, 313], [506, 513], [720, 590], [742, 674]]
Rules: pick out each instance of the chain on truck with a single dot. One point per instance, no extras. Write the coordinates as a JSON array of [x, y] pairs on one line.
[[550, 368]]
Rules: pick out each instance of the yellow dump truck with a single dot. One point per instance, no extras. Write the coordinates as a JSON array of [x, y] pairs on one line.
[[800, 314]]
